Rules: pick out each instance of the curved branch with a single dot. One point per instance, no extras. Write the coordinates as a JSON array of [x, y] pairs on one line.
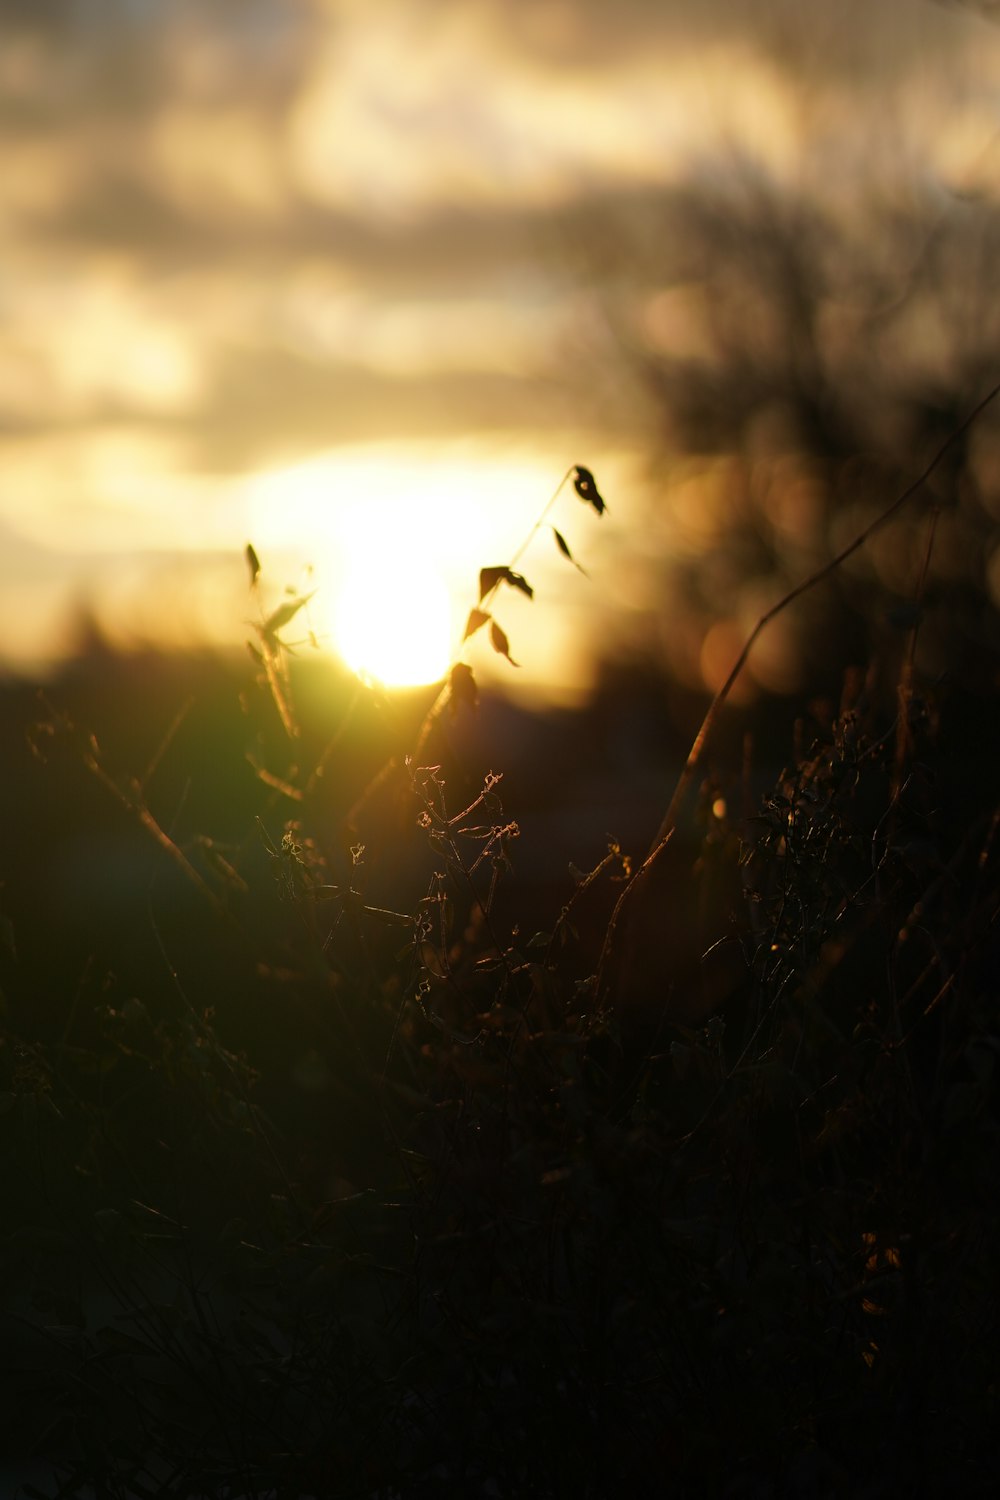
[[697, 751]]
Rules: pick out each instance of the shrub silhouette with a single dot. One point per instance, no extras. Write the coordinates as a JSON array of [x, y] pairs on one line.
[[327, 1176]]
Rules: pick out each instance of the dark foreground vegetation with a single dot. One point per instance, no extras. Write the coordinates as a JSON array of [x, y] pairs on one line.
[[353, 1147]]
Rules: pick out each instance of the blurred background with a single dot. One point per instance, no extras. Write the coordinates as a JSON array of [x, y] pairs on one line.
[[359, 282]]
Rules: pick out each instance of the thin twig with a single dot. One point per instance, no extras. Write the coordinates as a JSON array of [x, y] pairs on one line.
[[697, 751], [708, 723], [443, 697], [904, 732]]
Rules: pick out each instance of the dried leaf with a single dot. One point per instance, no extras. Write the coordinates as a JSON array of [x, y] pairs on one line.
[[477, 618], [500, 643], [586, 487], [253, 563], [563, 546], [489, 578], [462, 687], [282, 615]]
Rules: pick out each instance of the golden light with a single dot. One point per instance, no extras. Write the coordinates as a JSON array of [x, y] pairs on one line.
[[390, 610], [392, 621], [396, 542], [393, 538]]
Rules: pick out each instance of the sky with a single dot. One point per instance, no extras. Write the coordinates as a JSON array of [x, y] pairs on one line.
[[333, 276]]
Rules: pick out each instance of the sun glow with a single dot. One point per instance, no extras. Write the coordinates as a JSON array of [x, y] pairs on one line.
[[392, 622], [390, 542], [396, 543]]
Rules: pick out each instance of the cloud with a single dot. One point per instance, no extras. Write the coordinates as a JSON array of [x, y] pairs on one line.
[[269, 404], [241, 233]]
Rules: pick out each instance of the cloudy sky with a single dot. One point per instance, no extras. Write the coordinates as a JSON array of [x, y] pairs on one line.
[[323, 274]]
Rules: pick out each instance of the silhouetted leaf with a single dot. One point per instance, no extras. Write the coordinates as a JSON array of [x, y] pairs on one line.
[[477, 618], [563, 546], [462, 687], [500, 643], [489, 578], [253, 563], [586, 487], [282, 615]]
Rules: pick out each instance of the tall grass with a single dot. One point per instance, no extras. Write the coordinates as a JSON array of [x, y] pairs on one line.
[[529, 1221]]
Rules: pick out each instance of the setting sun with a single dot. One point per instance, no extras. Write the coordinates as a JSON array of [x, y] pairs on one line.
[[395, 543], [392, 622]]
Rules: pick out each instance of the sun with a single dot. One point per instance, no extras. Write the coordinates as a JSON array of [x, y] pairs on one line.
[[392, 622], [395, 542]]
